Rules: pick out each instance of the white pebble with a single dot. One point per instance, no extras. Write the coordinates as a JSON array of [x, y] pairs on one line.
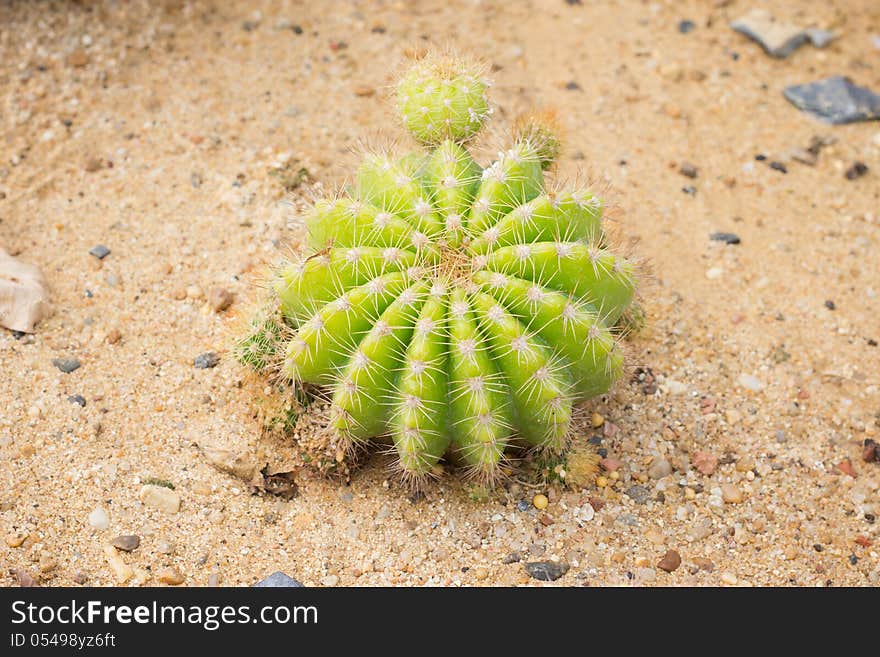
[[98, 519], [750, 382]]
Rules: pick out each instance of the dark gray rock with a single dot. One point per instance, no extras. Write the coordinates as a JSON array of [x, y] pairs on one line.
[[727, 238], [100, 251], [688, 170], [206, 360], [66, 365], [835, 100], [546, 571], [278, 580], [79, 400], [857, 170]]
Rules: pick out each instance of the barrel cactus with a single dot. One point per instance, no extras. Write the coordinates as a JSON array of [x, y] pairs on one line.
[[450, 310]]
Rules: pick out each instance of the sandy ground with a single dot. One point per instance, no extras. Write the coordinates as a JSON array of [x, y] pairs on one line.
[[155, 132]]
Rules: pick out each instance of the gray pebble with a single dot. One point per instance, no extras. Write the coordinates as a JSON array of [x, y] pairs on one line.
[[100, 251], [638, 494], [206, 360], [688, 170], [727, 238], [66, 365], [77, 399], [126, 542], [278, 580], [546, 571], [776, 38], [512, 557], [835, 100]]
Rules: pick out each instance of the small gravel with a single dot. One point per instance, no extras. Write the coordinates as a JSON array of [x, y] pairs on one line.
[[278, 580], [100, 251], [206, 360], [546, 571], [126, 542], [98, 519], [727, 238], [638, 494], [66, 365]]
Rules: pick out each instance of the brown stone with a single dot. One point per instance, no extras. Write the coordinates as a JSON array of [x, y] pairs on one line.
[[670, 561], [78, 58], [219, 298]]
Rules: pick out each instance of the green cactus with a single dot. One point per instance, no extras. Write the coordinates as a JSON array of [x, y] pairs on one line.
[[451, 310]]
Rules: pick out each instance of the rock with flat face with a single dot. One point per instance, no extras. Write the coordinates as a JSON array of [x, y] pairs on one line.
[[23, 296], [835, 100], [777, 38]]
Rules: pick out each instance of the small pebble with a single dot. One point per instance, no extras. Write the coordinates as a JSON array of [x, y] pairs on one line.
[[364, 91], [830, 305], [750, 382], [481, 572], [727, 238], [540, 502], [219, 298], [16, 539], [100, 251], [160, 498], [79, 400], [78, 58], [670, 561], [98, 519], [171, 576], [122, 570], [523, 505], [278, 580], [66, 365], [688, 170], [638, 494], [778, 166], [690, 190], [729, 578], [546, 571], [330, 580], [731, 494], [686, 26], [25, 579], [126, 542], [596, 420], [659, 468], [206, 360], [857, 170]]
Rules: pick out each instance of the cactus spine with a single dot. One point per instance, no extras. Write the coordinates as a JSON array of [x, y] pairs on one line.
[[449, 309]]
